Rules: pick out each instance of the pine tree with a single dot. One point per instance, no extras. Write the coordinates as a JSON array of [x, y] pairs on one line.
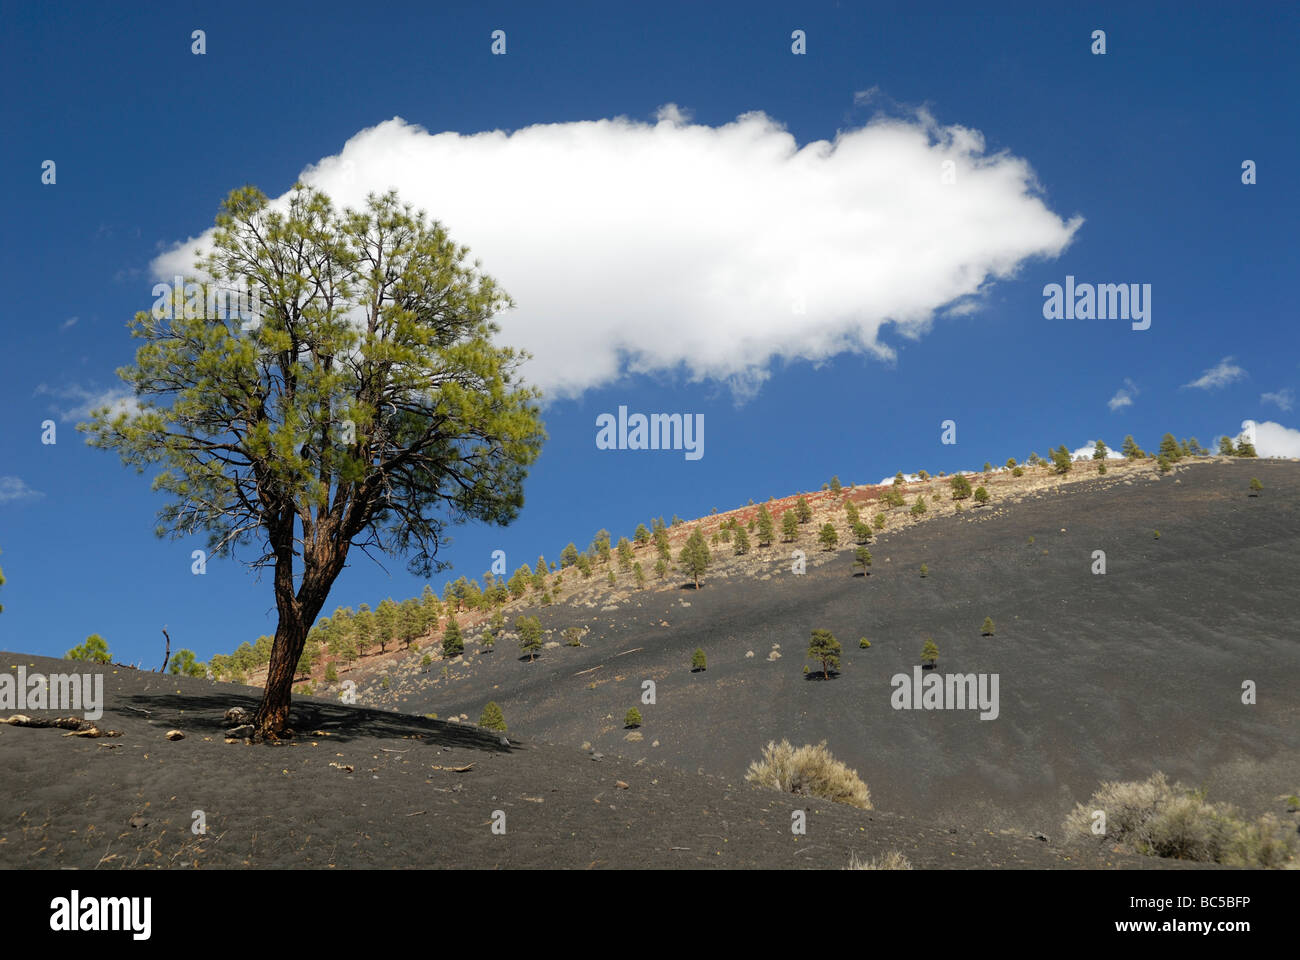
[[898, 479], [835, 485], [864, 643], [742, 541], [1255, 486], [828, 537], [661, 568], [1130, 449], [789, 526], [95, 650], [918, 508], [639, 574], [960, 486], [695, 557], [824, 647], [1100, 451], [851, 512], [185, 664], [520, 581], [1245, 449], [929, 652], [1226, 448], [1169, 448], [880, 521], [624, 553], [987, 629], [530, 636], [1017, 471], [981, 495], [492, 718], [642, 535], [633, 719], [766, 533], [332, 674], [1061, 461], [861, 532], [568, 556], [584, 566], [802, 510], [925, 571], [1011, 462], [600, 546], [452, 643], [698, 660], [862, 558]]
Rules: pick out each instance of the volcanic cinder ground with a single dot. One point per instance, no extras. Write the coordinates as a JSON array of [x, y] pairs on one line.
[[1101, 676]]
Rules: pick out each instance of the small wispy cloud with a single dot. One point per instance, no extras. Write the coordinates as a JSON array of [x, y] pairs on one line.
[[1220, 375], [1283, 399], [69, 323], [75, 402], [13, 489], [1124, 396]]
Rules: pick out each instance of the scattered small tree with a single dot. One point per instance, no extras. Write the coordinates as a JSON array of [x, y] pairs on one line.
[[639, 574], [766, 533], [185, 664], [332, 674], [1099, 451], [918, 508], [929, 653], [864, 643], [828, 537], [803, 511], [642, 535], [492, 718], [861, 532], [452, 643], [633, 719], [960, 487], [981, 495], [741, 541], [987, 629], [1061, 461], [1131, 450], [825, 648], [789, 525], [94, 650], [925, 571], [862, 558], [835, 485], [695, 557], [698, 660], [898, 479], [1017, 471], [569, 556], [530, 636], [880, 521], [1255, 486]]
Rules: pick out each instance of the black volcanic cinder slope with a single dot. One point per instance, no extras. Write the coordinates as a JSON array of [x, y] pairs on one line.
[[1101, 677], [367, 788]]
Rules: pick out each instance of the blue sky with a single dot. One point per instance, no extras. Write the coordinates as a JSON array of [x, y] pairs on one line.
[[1145, 144]]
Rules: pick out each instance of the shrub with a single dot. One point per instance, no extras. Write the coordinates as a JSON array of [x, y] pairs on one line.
[[960, 487], [981, 496], [332, 674], [1017, 471], [1255, 486], [893, 860], [828, 537], [95, 650], [987, 629], [863, 643], [610, 578], [698, 660], [584, 566], [988, 467], [1164, 464], [925, 570], [880, 521], [918, 508], [425, 661], [1101, 468], [633, 719], [1011, 463], [1161, 819], [572, 636], [492, 718], [898, 479], [809, 771], [823, 647], [661, 568]]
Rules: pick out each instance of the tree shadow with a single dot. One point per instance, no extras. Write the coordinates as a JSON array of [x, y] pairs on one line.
[[816, 675]]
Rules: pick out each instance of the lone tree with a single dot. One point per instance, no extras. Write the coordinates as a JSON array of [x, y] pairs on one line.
[[1099, 451], [824, 647], [362, 403], [492, 718], [1255, 486], [981, 495], [987, 629], [530, 636], [828, 537], [698, 660], [632, 719], [695, 557], [929, 653]]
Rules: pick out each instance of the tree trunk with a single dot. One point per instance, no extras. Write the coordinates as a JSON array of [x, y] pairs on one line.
[[273, 714]]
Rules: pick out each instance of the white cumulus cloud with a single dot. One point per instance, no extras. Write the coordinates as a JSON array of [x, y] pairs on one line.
[[1274, 440], [1220, 375], [679, 247]]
